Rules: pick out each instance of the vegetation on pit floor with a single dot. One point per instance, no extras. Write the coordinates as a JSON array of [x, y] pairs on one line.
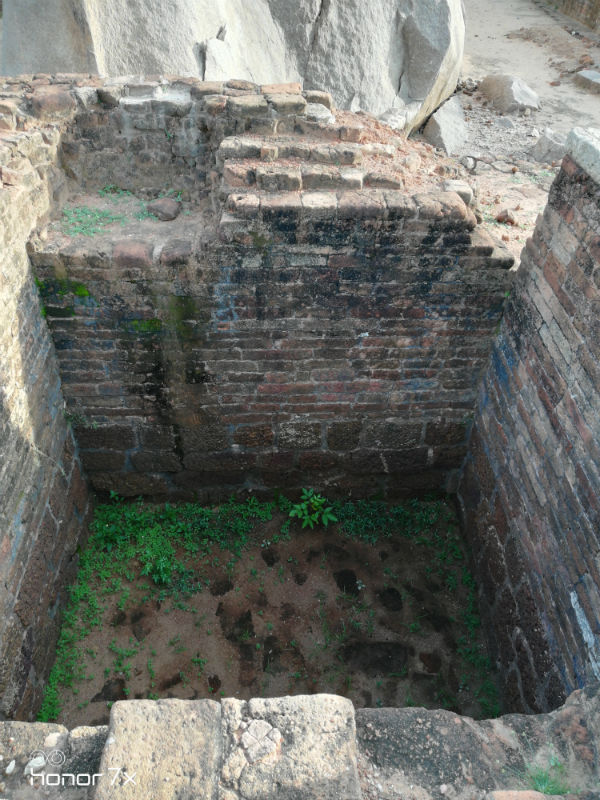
[[171, 553]]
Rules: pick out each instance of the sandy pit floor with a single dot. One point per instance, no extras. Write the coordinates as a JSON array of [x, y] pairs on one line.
[[378, 606]]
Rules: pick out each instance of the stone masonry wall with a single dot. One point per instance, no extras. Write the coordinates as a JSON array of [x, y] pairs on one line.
[[532, 478], [43, 496], [303, 322]]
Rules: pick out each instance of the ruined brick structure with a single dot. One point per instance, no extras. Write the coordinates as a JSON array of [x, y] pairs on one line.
[[319, 313], [43, 496], [308, 322]]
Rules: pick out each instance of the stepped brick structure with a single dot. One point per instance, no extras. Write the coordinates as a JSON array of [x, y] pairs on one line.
[[281, 301]]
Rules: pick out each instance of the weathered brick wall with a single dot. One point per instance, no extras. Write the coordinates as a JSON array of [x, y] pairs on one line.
[[43, 497], [329, 338], [586, 11], [150, 136], [531, 483], [335, 348]]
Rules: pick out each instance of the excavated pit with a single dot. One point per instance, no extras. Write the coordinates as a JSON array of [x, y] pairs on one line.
[[319, 312]]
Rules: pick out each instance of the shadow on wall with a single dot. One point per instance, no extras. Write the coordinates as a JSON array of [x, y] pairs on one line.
[[43, 507]]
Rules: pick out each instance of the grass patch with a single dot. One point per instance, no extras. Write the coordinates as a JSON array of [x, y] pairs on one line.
[[85, 221], [171, 553]]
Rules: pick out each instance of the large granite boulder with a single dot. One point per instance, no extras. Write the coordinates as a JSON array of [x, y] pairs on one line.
[[376, 56]]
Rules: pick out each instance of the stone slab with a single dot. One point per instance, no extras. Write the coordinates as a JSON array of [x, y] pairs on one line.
[[162, 750], [583, 145], [588, 79], [292, 748]]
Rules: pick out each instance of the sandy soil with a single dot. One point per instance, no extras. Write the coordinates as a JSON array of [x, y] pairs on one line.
[[545, 49], [541, 47], [383, 623]]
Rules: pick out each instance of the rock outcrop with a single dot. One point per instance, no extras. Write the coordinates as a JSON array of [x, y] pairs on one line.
[[377, 56]]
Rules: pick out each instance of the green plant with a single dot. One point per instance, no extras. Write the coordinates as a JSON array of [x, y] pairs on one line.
[[142, 213], [549, 779], [85, 221], [313, 509], [114, 192]]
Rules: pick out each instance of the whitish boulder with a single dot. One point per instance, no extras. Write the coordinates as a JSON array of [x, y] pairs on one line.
[[376, 56], [447, 128], [549, 147], [588, 79], [509, 93]]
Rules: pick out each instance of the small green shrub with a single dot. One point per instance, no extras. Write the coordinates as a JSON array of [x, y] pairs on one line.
[[313, 510], [550, 779]]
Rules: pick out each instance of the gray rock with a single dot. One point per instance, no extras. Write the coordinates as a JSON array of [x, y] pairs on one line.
[[447, 128], [164, 208], [305, 746], [395, 118], [315, 112], [583, 145], [509, 93], [549, 147], [505, 122], [372, 56], [588, 79], [161, 750], [462, 189]]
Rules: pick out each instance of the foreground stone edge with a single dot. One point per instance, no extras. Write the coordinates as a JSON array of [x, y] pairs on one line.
[[308, 746]]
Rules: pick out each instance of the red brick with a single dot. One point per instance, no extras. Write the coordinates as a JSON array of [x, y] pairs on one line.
[[128, 254]]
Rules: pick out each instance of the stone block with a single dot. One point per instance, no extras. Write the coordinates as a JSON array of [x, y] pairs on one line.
[[304, 745], [299, 435], [286, 103], [53, 101], [171, 747], [343, 435], [248, 106], [132, 254]]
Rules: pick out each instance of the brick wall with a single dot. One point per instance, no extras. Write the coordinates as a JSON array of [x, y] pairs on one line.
[[43, 497], [531, 482], [323, 349], [586, 11], [277, 336]]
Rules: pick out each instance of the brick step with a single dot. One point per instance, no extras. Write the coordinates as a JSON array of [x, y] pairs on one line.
[[442, 207], [270, 149], [278, 177]]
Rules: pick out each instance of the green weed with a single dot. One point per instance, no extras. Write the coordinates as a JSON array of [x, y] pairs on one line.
[[313, 509], [85, 221]]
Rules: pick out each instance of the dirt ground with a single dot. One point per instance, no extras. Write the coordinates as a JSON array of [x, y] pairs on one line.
[[545, 49], [391, 622]]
